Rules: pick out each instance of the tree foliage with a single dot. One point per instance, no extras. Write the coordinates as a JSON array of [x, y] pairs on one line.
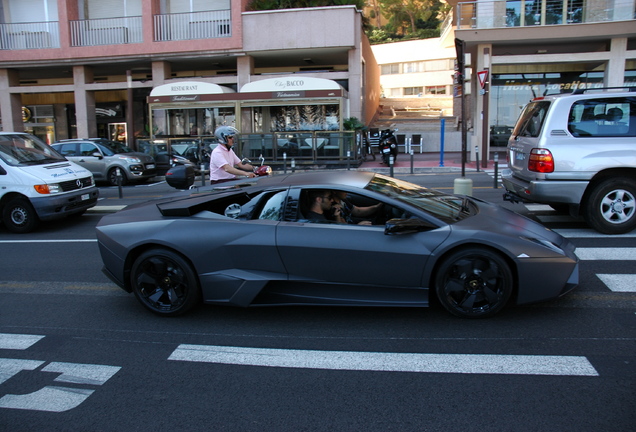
[[386, 20]]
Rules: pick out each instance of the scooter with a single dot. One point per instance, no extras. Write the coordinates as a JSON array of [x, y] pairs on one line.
[[388, 145], [262, 170]]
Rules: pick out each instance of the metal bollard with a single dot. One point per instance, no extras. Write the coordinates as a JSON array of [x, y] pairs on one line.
[[202, 174], [119, 181], [284, 163], [496, 185], [477, 157], [391, 162], [411, 151], [348, 159], [293, 165]]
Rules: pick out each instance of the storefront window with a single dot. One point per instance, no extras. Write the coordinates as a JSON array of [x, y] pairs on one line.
[[191, 121], [509, 93], [304, 118]]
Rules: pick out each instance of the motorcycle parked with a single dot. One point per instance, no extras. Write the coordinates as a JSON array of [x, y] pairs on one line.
[[388, 145]]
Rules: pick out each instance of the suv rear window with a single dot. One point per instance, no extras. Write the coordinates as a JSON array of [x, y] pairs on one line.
[[531, 119], [606, 117]]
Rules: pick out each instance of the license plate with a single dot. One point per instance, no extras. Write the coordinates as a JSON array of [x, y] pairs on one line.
[[84, 197], [150, 166], [519, 156], [386, 150]]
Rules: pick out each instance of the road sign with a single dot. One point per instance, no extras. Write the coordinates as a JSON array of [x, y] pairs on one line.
[[482, 75]]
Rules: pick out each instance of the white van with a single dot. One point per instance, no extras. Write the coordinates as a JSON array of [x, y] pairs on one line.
[[39, 184]]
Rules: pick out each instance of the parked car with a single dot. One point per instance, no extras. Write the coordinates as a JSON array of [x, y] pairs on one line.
[[499, 135], [164, 156], [578, 151], [250, 242], [103, 158], [38, 184]]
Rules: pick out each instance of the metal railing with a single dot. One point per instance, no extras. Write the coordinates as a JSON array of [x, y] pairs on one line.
[[35, 35], [193, 25], [106, 31], [526, 13]]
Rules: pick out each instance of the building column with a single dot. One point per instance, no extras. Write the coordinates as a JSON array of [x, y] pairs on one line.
[[85, 117], [161, 71], [244, 71], [481, 117], [615, 71], [10, 103]]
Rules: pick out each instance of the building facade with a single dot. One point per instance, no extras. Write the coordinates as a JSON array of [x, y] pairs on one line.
[[87, 68], [521, 49]]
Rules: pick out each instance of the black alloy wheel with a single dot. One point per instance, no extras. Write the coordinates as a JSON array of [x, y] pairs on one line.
[[474, 283], [164, 282], [19, 216]]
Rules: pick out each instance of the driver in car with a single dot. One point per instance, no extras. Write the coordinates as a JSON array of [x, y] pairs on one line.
[[345, 212]]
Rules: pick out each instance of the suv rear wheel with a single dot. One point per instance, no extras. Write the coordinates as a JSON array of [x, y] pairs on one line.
[[611, 207]]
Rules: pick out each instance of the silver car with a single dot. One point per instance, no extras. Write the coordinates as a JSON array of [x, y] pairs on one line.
[[577, 151], [104, 158]]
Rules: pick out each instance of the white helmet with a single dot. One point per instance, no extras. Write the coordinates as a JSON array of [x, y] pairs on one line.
[[222, 132]]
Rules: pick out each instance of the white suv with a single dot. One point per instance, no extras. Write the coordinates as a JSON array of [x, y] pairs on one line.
[[578, 151]]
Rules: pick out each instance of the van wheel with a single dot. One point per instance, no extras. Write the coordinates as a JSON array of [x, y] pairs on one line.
[[19, 216], [611, 207], [112, 177]]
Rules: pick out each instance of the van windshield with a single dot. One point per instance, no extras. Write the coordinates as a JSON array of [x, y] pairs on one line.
[[22, 149], [531, 119]]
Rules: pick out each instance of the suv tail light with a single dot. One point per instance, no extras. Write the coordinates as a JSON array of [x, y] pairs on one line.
[[541, 161]]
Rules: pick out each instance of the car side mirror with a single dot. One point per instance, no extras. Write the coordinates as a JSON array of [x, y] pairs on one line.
[[407, 226], [98, 155]]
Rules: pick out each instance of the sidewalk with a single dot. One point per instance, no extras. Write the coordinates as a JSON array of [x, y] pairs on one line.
[[426, 162]]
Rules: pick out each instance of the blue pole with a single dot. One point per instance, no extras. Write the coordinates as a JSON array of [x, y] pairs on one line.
[[441, 144]]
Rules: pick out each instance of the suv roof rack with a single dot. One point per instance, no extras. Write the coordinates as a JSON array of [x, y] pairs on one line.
[[583, 90]]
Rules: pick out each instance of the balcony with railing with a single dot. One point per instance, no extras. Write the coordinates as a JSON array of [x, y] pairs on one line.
[[35, 35], [527, 13], [193, 25], [106, 31]]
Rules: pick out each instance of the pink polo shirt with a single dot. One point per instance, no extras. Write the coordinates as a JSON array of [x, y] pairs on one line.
[[220, 157]]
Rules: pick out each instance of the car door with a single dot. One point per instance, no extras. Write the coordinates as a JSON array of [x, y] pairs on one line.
[[95, 164], [354, 254]]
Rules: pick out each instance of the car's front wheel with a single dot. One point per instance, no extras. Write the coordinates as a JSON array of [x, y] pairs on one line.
[[164, 282], [19, 216], [474, 283], [611, 207], [112, 177]]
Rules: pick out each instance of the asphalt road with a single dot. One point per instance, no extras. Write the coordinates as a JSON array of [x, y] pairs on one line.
[[77, 353]]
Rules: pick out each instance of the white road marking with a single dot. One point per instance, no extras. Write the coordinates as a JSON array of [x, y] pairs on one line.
[[539, 207], [77, 373], [10, 367], [49, 398], [619, 282], [616, 254], [392, 362], [18, 341], [590, 233]]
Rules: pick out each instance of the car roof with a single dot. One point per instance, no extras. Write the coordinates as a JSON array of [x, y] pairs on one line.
[[585, 93], [321, 179]]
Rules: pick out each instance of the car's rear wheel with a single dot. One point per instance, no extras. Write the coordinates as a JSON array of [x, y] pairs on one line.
[[474, 283], [19, 216], [611, 207], [112, 177], [164, 282]]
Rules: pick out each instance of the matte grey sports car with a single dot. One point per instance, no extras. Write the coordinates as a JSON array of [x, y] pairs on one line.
[[252, 243]]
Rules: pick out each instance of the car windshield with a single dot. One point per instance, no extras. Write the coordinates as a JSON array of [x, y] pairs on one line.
[[20, 150], [448, 208]]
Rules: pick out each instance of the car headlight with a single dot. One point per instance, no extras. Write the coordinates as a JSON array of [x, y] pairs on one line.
[[130, 159], [545, 243], [47, 189]]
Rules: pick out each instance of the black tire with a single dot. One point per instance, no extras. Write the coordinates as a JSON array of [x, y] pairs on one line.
[[112, 177], [474, 283], [611, 206], [19, 216], [164, 282]]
